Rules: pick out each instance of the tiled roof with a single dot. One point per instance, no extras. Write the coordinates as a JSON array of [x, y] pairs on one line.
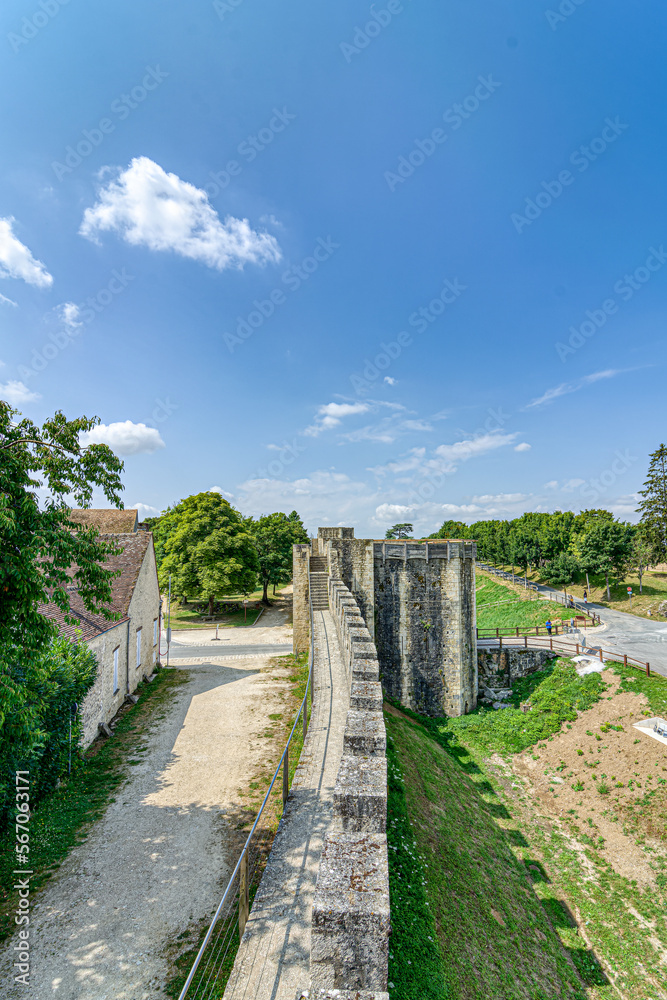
[[129, 562], [109, 521]]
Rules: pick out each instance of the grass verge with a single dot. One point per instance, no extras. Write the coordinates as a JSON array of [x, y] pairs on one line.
[[519, 612], [64, 817]]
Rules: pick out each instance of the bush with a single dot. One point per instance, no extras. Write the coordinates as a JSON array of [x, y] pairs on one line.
[[37, 695]]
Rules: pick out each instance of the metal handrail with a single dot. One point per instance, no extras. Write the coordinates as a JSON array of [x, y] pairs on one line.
[[242, 863]]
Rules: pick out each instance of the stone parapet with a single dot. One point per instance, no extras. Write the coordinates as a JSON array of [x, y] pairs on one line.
[[350, 918], [350, 922]]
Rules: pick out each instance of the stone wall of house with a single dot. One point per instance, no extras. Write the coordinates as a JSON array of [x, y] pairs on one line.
[[144, 611], [300, 598], [102, 701], [425, 624], [350, 917]]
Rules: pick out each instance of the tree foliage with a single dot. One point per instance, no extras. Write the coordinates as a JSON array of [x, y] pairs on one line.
[[653, 507], [274, 536], [399, 531], [41, 471], [208, 548]]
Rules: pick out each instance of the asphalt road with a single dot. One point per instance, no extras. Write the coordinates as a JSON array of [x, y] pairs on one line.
[[186, 651], [624, 633]]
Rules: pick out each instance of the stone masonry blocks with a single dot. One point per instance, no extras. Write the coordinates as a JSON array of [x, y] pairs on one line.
[[365, 734], [360, 795], [350, 919], [366, 695]]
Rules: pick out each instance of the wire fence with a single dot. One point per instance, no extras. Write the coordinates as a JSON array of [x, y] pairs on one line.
[[211, 968]]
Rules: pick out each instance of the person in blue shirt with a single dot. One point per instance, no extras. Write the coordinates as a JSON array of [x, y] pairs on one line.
[[549, 626]]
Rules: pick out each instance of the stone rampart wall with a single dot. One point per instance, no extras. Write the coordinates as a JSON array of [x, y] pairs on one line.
[[350, 919]]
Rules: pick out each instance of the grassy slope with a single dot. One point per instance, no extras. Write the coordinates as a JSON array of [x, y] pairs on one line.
[[521, 612], [494, 935], [654, 587], [182, 618], [480, 831]]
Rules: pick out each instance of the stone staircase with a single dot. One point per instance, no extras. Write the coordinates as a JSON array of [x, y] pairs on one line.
[[319, 583]]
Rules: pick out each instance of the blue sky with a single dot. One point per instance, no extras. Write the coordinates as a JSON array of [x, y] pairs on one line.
[[394, 262]]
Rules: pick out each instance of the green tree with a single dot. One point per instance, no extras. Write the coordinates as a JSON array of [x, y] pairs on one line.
[[562, 570], [208, 548], [41, 549], [642, 552], [399, 531], [274, 536], [606, 548], [582, 522], [451, 529], [653, 507]]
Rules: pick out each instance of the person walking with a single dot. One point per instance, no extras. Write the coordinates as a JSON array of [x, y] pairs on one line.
[[549, 626], [585, 598]]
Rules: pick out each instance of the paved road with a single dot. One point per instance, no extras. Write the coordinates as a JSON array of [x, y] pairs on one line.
[[187, 651], [624, 633]]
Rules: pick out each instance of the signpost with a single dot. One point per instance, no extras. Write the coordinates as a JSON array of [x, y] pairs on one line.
[[630, 595], [245, 609]]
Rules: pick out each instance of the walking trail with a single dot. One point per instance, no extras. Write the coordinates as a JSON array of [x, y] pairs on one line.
[[273, 960], [157, 860]]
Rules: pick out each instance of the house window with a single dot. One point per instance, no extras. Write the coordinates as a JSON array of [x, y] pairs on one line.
[[115, 670], [155, 632], [138, 647]]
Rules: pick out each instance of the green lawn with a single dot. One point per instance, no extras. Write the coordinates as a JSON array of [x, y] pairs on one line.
[[188, 617], [654, 587], [501, 606]]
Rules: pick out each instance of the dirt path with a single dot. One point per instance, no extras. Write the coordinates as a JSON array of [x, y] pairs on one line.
[[155, 862]]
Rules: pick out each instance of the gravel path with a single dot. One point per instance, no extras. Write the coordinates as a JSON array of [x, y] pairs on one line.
[[156, 860]]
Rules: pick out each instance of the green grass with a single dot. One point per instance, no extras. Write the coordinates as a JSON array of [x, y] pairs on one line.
[[555, 694], [64, 817], [188, 617], [494, 937], [416, 966], [518, 611]]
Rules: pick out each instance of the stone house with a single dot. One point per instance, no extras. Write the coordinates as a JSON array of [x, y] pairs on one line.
[[126, 648]]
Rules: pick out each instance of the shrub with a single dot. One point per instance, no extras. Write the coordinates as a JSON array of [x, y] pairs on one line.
[[603, 788], [37, 695]]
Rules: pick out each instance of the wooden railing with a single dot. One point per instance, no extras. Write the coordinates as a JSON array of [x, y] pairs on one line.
[[557, 644]]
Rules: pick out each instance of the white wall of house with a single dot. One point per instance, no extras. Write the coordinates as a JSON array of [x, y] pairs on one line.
[[105, 697], [144, 611]]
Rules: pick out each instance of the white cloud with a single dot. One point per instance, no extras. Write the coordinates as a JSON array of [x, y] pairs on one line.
[[500, 498], [16, 393], [145, 510], [331, 414], [390, 511], [69, 313], [474, 447], [16, 261], [524, 446], [223, 493], [125, 438], [572, 484], [551, 485], [389, 380], [565, 388], [149, 207], [7, 302]]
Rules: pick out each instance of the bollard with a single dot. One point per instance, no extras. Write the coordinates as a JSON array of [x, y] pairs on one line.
[[244, 894], [285, 776]]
